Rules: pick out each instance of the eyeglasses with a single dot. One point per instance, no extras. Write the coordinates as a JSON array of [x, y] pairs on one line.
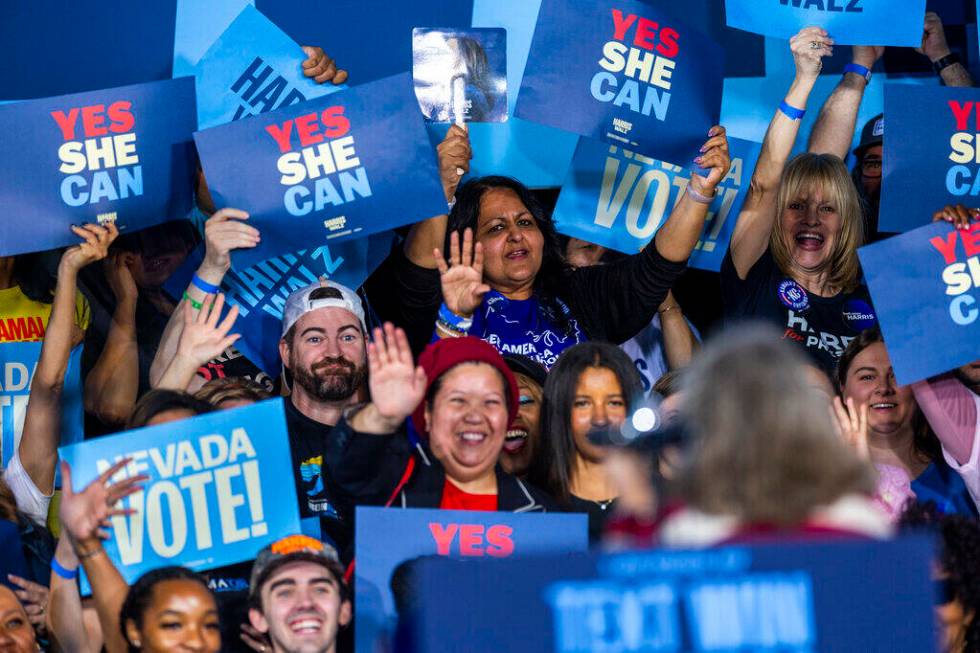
[[871, 167]]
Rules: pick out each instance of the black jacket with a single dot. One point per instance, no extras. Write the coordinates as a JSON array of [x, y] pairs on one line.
[[387, 470]]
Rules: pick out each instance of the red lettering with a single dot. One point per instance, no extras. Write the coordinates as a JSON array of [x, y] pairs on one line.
[[646, 34], [3, 331], [443, 537], [500, 544], [621, 24], [971, 239], [336, 123], [946, 246], [121, 115], [306, 130], [93, 119], [961, 113], [470, 539], [35, 331], [17, 326], [66, 123], [281, 134], [668, 42]]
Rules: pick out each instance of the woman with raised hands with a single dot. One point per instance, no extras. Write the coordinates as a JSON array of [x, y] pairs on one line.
[[793, 255]]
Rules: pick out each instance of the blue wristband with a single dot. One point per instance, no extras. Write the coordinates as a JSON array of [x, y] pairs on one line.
[[858, 69], [453, 321], [67, 574], [791, 112], [204, 286]]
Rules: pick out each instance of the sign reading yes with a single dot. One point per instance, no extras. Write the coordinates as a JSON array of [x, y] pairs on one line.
[[220, 488], [619, 199]]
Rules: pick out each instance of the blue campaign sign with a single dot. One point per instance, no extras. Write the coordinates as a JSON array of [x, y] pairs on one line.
[[768, 598], [619, 199], [18, 362], [260, 291], [925, 285], [220, 488], [122, 154], [849, 22], [252, 68], [933, 154], [386, 538], [632, 76], [334, 168]]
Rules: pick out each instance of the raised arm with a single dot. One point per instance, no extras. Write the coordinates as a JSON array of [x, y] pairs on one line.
[[934, 46], [834, 129], [202, 338], [755, 222], [65, 616], [680, 343], [38, 449], [397, 385]]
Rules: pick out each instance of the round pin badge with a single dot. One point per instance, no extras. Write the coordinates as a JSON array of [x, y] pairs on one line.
[[859, 315], [792, 295]]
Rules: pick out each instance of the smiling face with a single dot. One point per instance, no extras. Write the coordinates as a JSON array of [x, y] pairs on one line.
[[871, 380], [810, 225], [599, 404], [16, 632], [467, 421], [513, 245], [181, 616], [302, 609], [522, 436], [326, 355]]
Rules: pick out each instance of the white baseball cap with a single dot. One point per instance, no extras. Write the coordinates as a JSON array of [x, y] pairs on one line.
[[299, 303]]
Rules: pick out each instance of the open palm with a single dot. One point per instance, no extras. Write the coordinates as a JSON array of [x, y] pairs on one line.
[[397, 385], [84, 514], [462, 276]]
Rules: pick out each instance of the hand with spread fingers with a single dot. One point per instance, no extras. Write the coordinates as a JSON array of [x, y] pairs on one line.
[[462, 275], [85, 515]]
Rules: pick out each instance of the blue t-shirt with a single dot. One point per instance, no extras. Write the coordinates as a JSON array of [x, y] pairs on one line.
[[525, 327], [941, 484]]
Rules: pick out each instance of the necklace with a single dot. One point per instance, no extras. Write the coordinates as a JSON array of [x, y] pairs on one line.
[[603, 504]]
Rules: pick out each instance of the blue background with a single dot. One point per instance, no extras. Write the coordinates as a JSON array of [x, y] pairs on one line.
[[240, 158], [904, 275]]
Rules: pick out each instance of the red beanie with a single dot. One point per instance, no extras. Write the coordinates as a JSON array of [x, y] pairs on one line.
[[441, 356]]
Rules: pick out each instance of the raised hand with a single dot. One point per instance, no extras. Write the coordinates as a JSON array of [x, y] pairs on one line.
[[397, 385], [454, 154], [852, 426], [462, 276], [223, 232], [203, 338], [934, 43], [34, 597], [809, 47], [94, 246], [84, 515], [321, 67], [119, 274], [957, 215], [867, 55], [714, 157]]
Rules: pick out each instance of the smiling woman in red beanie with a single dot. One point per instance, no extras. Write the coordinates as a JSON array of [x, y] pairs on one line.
[[461, 398]]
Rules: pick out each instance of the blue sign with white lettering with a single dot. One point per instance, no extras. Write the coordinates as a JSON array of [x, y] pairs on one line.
[[933, 154], [122, 154], [18, 363], [220, 488], [767, 598], [849, 22], [620, 199], [926, 289], [632, 75], [260, 291], [330, 169], [391, 542], [252, 68]]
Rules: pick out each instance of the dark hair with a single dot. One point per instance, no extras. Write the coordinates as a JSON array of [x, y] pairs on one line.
[[959, 555], [164, 237], [551, 467], [547, 284], [475, 58], [231, 388], [140, 596], [668, 384], [925, 444], [155, 402]]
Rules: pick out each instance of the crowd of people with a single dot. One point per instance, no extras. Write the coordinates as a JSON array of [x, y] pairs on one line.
[[491, 364]]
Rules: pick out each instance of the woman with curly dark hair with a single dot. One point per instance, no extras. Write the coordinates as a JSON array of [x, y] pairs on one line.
[[958, 582]]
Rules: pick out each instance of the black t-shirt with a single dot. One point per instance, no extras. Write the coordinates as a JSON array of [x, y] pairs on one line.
[[598, 512], [821, 325], [307, 444]]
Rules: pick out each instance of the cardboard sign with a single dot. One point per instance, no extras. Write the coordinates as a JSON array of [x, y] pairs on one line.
[[252, 68], [387, 537], [849, 22], [632, 75], [774, 598], [933, 153], [926, 290], [18, 363], [335, 168], [221, 488], [123, 154], [620, 199]]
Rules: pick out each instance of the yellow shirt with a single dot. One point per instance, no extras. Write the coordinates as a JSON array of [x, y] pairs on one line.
[[24, 320]]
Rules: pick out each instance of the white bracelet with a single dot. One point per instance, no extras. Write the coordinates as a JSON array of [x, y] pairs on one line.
[[698, 197]]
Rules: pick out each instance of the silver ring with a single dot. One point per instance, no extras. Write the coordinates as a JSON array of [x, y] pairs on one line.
[[815, 45]]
